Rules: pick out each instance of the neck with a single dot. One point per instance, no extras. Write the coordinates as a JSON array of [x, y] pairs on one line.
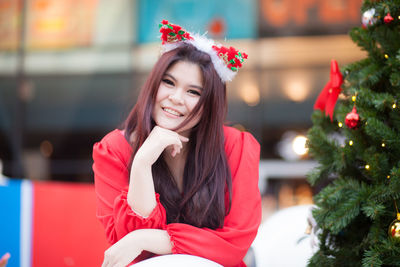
[[176, 164]]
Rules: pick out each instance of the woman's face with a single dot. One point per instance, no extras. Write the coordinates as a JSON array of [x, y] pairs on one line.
[[179, 92]]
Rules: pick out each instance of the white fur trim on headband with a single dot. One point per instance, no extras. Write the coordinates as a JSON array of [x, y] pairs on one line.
[[205, 45]]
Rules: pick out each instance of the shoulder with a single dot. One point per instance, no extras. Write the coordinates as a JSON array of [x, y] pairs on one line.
[[242, 152], [236, 141], [111, 145], [114, 137]]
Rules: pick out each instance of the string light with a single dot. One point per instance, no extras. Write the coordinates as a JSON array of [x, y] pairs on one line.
[[394, 106], [388, 176], [353, 98], [383, 145], [351, 142], [367, 167], [299, 145], [386, 56], [340, 124]]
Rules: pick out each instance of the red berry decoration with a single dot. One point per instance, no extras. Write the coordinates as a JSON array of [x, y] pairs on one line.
[[352, 119], [232, 57], [172, 33], [388, 19]]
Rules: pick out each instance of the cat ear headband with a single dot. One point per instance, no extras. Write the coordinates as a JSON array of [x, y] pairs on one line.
[[226, 61]]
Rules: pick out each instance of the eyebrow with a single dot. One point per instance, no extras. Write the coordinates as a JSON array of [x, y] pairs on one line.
[[191, 85]]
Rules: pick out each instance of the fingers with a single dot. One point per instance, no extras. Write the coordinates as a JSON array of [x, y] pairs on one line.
[[159, 140], [106, 261], [174, 152], [166, 131], [173, 140], [123, 252], [183, 139], [176, 149], [118, 258], [111, 259]]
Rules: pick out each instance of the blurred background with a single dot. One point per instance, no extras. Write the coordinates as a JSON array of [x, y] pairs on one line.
[[70, 72]]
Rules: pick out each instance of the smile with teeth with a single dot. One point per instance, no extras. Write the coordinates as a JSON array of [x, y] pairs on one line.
[[173, 112]]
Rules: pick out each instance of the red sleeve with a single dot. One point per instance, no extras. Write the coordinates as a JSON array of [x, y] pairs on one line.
[[111, 175], [228, 245]]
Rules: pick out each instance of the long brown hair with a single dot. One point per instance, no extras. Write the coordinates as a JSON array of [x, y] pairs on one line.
[[207, 177]]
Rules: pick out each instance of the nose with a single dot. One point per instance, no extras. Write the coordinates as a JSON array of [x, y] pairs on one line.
[[176, 97]]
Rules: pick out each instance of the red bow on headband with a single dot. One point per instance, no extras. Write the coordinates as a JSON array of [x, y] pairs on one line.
[[326, 100]]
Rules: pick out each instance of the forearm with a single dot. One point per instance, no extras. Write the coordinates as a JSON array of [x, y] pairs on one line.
[[141, 193], [134, 243], [155, 241]]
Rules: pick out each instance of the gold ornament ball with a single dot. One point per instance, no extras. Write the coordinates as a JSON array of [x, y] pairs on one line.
[[394, 229]]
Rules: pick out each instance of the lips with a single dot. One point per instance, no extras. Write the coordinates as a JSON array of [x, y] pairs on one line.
[[172, 111]]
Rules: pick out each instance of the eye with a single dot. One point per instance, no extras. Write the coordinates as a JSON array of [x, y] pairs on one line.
[[168, 81], [194, 92]]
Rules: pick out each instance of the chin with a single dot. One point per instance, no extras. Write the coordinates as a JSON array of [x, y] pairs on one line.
[[168, 126]]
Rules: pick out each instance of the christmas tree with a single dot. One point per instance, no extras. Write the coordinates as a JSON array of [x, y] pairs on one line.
[[356, 140]]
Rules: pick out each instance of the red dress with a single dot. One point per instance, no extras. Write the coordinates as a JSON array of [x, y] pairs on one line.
[[227, 245]]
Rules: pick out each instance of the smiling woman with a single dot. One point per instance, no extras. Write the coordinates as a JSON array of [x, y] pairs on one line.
[[174, 179], [178, 94]]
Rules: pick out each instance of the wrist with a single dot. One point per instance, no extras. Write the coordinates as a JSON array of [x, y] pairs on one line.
[[155, 240], [137, 240], [140, 168], [140, 161]]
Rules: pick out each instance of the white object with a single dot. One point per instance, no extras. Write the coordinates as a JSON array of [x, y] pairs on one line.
[[3, 179], [177, 260], [368, 17], [282, 169], [202, 43], [281, 240]]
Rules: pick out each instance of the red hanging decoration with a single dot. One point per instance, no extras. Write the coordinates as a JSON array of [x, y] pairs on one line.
[[326, 100], [352, 119], [388, 18]]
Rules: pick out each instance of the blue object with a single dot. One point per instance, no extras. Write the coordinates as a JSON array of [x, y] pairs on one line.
[[10, 206], [239, 16], [16, 221]]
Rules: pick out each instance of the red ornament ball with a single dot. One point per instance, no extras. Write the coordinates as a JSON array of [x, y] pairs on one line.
[[388, 19], [352, 119]]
